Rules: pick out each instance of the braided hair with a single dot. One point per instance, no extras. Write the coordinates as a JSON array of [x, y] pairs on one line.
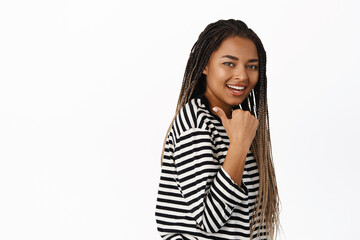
[[194, 83]]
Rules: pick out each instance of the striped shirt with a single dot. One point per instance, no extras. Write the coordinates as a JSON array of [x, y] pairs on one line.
[[197, 199]]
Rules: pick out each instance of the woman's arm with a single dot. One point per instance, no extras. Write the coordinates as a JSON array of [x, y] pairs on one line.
[[241, 130], [209, 191], [194, 192]]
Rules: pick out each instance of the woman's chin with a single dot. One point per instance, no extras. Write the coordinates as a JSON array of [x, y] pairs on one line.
[[235, 102]]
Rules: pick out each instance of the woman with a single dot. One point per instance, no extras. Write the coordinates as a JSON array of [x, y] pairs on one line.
[[218, 179]]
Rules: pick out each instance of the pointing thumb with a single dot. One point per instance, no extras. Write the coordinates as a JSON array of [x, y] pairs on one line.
[[220, 113]]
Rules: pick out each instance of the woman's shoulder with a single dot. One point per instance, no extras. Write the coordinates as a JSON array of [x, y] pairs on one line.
[[191, 116]]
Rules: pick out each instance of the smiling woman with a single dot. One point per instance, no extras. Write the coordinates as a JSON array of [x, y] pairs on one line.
[[218, 179], [231, 73]]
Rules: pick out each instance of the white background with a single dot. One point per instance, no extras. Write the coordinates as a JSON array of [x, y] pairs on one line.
[[88, 89]]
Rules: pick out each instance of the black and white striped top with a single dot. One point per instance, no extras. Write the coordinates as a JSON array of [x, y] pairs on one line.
[[197, 199]]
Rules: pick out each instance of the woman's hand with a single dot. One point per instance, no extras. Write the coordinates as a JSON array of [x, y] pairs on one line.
[[241, 128]]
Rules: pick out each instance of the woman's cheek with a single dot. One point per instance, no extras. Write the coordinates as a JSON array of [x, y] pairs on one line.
[[222, 74], [255, 78]]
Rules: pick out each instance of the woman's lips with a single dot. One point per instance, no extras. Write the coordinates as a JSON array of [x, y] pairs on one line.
[[236, 92]]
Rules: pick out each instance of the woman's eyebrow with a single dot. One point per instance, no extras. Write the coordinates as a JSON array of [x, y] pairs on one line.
[[237, 59], [231, 57]]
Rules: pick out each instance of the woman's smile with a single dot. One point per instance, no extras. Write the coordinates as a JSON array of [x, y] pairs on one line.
[[236, 90]]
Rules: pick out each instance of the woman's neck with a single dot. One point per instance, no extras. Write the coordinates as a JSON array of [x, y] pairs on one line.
[[214, 102]]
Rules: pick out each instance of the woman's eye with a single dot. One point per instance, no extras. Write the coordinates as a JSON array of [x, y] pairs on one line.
[[253, 67], [229, 64]]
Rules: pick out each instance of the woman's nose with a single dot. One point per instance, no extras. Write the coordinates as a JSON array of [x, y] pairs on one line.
[[240, 73]]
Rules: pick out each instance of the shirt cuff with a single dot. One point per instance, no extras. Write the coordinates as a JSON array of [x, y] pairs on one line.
[[228, 191]]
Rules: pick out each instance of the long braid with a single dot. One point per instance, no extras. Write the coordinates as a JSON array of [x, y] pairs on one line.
[[266, 211]]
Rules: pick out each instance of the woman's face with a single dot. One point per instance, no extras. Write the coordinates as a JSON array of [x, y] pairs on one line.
[[231, 73]]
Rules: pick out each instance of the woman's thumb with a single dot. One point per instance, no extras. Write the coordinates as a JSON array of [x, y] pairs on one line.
[[220, 113]]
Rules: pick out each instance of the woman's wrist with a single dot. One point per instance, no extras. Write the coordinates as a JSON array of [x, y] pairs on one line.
[[235, 162], [239, 147]]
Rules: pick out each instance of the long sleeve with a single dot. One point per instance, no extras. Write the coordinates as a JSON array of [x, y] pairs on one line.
[[207, 189], [197, 199]]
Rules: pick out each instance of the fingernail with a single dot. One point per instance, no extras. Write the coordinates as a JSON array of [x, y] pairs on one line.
[[215, 109]]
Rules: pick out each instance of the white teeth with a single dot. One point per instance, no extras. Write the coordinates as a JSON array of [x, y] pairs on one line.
[[234, 87]]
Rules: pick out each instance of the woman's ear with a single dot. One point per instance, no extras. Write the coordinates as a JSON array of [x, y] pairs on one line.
[[205, 70]]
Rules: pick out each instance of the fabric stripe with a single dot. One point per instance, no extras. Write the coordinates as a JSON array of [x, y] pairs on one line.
[[197, 199]]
